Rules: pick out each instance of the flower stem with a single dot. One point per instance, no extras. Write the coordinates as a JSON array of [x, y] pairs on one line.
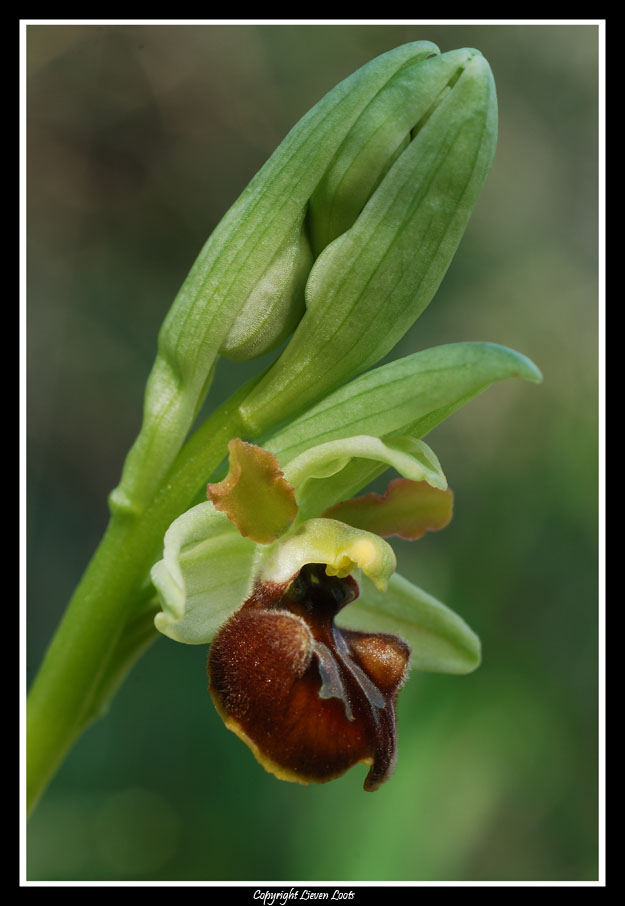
[[106, 625]]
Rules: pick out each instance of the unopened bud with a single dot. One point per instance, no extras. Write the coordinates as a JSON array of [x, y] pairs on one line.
[[370, 284], [244, 293]]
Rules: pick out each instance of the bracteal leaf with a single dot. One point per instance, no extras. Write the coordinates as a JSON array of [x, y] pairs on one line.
[[407, 396]]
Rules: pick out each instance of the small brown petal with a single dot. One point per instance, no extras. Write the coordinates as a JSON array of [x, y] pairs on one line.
[[408, 509], [254, 495]]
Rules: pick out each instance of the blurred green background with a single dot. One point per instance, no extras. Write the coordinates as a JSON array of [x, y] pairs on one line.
[[139, 139]]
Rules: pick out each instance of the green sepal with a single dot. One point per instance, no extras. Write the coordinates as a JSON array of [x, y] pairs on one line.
[[204, 576], [439, 639]]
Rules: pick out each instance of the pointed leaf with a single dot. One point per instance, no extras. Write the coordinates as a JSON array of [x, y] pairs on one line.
[[409, 395]]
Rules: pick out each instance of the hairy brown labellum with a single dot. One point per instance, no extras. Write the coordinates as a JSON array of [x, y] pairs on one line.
[[309, 699]]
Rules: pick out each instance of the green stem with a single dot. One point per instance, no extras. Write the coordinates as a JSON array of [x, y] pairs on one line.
[[81, 657]]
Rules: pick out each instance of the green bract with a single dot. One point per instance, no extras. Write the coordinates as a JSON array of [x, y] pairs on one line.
[[407, 397]]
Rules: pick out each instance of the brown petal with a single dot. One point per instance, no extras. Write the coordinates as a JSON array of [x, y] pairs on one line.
[[408, 509], [254, 495]]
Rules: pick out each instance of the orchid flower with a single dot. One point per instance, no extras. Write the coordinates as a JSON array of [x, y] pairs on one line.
[[312, 635]]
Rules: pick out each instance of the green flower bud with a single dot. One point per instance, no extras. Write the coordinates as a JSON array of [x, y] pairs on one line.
[[370, 283], [245, 292], [275, 304]]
